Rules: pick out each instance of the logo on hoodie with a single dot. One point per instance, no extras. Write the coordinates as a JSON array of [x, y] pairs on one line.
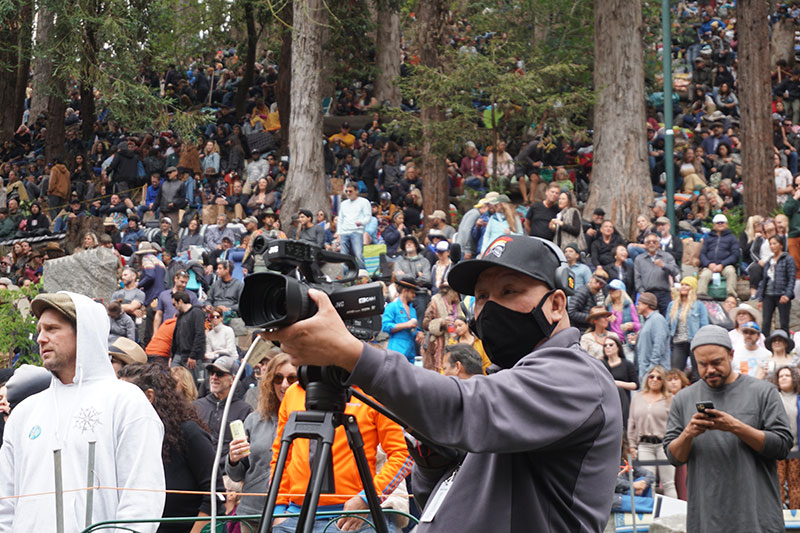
[[86, 419], [35, 432]]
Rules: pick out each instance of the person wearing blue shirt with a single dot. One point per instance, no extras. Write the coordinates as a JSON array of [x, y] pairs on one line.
[[400, 320], [581, 272]]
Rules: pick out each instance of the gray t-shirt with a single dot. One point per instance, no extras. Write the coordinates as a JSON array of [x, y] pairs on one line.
[[128, 295], [731, 487]]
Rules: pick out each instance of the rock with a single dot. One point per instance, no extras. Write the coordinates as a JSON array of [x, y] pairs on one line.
[[669, 524], [92, 273]]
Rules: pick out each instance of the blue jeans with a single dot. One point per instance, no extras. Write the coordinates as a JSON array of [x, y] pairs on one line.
[[353, 244]]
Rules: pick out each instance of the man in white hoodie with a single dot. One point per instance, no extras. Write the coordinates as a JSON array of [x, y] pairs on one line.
[[85, 402]]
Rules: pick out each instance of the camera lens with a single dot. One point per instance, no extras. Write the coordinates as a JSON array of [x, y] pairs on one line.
[[272, 300]]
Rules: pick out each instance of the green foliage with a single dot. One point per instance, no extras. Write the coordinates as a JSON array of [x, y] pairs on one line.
[[736, 221], [550, 39], [352, 41], [18, 329]]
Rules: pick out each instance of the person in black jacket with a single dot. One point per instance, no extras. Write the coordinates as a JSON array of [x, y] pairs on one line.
[[210, 406], [187, 450], [602, 250], [586, 296], [125, 167], [777, 286], [622, 270], [189, 339]]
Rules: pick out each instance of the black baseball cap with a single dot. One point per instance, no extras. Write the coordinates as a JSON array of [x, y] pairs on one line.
[[523, 254]]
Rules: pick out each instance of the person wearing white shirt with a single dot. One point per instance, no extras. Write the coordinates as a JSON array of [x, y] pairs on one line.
[[354, 214], [220, 339]]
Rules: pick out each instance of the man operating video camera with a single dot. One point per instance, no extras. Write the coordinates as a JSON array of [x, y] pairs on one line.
[[542, 436]]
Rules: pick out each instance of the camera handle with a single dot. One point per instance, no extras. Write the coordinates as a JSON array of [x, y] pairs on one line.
[[321, 426]]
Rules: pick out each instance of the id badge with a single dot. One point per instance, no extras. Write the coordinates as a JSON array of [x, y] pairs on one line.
[[436, 502]]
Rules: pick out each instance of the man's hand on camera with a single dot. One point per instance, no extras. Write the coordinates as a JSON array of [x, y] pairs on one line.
[[352, 523], [320, 340]]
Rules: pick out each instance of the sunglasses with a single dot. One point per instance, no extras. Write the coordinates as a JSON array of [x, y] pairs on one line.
[[657, 378], [218, 373], [610, 344], [216, 316], [278, 379]]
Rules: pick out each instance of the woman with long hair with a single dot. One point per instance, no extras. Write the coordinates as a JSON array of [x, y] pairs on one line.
[[462, 335], [592, 341], [787, 379], [186, 450], [777, 285], [504, 221], [249, 458], [692, 172], [624, 319], [439, 318], [685, 315], [624, 372], [647, 424], [184, 382], [567, 224], [781, 345]]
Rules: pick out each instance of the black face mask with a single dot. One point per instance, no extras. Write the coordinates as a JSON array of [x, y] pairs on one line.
[[509, 335]]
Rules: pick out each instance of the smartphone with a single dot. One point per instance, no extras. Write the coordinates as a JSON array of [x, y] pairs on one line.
[[702, 407], [237, 430]]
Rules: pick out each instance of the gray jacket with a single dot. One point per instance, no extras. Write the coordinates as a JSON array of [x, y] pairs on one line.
[[652, 343], [254, 472], [418, 267], [543, 437], [464, 236], [647, 276], [225, 293]]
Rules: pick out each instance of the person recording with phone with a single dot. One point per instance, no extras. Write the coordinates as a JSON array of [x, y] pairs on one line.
[[541, 436], [730, 429]]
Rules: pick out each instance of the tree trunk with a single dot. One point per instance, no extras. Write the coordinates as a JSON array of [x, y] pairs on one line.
[[782, 42], [283, 87], [387, 57], [620, 180], [56, 107], [305, 184], [9, 61], [250, 59], [23, 70], [754, 98], [430, 25], [87, 111], [43, 64]]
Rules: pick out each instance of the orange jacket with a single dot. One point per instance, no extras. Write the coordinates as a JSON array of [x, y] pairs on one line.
[[161, 343], [375, 429]]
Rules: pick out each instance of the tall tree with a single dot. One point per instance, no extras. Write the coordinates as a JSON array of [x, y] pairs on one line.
[[42, 64], [305, 184], [620, 180], [250, 57], [283, 87], [24, 66], [387, 54], [430, 29], [754, 99], [9, 62]]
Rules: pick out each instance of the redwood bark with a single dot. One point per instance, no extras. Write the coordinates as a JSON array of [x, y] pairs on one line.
[[43, 64], [250, 60], [754, 98], [9, 61], [283, 87], [24, 67], [305, 184], [430, 26], [387, 57], [620, 181]]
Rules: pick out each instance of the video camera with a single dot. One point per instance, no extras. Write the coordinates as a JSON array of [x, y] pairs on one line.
[[278, 299]]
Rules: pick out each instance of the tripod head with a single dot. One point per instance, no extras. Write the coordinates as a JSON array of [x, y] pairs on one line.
[[325, 388]]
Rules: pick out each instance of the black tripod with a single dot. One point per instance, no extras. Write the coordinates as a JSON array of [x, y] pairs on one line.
[[325, 412]]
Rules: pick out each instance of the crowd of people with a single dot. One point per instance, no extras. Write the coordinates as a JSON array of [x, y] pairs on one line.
[[180, 216]]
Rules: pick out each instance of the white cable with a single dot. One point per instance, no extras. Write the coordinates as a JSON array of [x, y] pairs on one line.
[[223, 428]]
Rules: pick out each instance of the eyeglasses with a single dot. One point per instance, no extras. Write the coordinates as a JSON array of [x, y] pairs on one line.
[[278, 379], [657, 378]]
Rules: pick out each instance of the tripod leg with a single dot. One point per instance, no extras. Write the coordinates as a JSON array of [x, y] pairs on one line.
[[305, 522], [269, 507], [357, 446]]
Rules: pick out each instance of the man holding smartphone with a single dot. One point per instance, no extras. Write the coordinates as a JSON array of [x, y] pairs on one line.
[[730, 428]]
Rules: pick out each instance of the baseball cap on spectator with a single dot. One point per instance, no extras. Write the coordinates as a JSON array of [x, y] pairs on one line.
[[438, 214], [573, 246], [250, 220], [166, 219], [436, 234], [719, 218], [662, 220], [127, 351], [599, 211], [503, 199], [171, 170], [60, 301], [442, 246], [751, 326], [108, 221], [649, 299], [600, 274], [616, 285], [711, 334], [306, 212], [224, 363], [491, 197]]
